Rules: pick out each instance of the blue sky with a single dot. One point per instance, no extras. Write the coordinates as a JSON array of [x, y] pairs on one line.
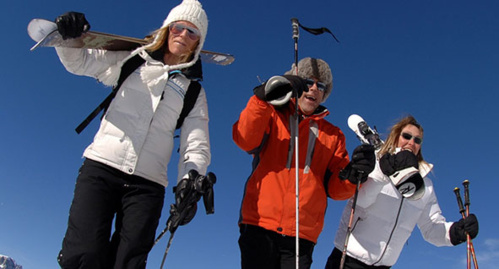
[[436, 60]]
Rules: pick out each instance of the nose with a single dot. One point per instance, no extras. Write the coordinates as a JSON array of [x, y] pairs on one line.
[[183, 32]]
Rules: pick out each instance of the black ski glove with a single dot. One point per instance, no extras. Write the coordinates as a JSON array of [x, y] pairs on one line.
[[390, 164], [72, 24], [187, 193], [362, 163], [458, 230], [279, 86], [186, 198]]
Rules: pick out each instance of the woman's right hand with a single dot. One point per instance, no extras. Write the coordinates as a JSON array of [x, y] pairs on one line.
[[72, 24]]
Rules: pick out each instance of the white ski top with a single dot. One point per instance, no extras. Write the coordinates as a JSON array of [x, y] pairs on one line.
[[383, 220], [136, 134]]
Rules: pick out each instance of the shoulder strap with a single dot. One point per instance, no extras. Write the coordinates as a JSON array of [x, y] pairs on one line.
[[128, 67], [189, 101]]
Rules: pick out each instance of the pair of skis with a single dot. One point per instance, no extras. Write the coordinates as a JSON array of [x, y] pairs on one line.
[[45, 33], [366, 135], [470, 249]]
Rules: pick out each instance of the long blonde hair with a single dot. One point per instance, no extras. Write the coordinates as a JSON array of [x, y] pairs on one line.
[[161, 35], [393, 138]]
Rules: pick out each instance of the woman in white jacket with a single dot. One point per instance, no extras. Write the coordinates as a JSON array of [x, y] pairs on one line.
[[397, 196], [125, 169]]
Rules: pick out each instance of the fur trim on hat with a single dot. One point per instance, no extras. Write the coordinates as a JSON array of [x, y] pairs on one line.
[[317, 68]]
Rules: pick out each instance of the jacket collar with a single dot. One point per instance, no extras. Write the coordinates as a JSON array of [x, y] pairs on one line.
[[425, 168], [194, 72], [319, 113]]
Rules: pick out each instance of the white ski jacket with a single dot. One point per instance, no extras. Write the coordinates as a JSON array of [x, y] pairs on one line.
[[384, 220], [136, 133]]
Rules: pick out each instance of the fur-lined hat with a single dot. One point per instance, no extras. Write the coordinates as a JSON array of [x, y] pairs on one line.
[[316, 68]]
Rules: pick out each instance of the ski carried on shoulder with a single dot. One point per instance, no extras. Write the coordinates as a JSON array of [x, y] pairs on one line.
[[45, 33]]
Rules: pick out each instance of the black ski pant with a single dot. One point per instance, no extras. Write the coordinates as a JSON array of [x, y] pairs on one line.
[[264, 249], [102, 194], [334, 260]]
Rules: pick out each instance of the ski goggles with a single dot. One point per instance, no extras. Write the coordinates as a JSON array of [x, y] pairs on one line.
[[177, 28], [417, 140], [320, 85]]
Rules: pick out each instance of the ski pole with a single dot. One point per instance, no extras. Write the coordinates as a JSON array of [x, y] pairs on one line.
[[461, 211], [296, 35], [471, 249], [349, 229], [469, 244], [194, 187], [167, 249]]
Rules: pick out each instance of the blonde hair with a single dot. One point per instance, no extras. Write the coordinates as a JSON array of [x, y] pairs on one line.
[[161, 35], [392, 141]]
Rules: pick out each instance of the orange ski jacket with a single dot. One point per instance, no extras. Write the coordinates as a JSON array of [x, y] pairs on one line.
[[269, 198]]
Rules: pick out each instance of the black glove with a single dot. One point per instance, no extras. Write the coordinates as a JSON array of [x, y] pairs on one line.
[[187, 193], [72, 24], [390, 164], [184, 190], [362, 163], [299, 83], [458, 230], [279, 86]]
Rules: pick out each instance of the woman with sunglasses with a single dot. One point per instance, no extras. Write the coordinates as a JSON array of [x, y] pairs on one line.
[[124, 173], [397, 196]]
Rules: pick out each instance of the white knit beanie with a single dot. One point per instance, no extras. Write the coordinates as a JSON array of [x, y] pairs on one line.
[[191, 11], [317, 68], [188, 10]]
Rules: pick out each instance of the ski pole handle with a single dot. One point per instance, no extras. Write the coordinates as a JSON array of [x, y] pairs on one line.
[[471, 248], [459, 201], [466, 185], [294, 23], [461, 210]]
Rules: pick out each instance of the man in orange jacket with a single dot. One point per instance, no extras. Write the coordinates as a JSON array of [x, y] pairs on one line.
[[266, 129]]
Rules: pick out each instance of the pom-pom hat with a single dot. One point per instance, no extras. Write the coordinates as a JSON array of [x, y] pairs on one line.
[[317, 68]]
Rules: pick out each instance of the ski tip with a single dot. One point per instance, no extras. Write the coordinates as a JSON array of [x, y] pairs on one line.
[[216, 57], [353, 121], [40, 28]]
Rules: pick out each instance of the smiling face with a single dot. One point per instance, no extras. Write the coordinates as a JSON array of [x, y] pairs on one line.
[[409, 144], [181, 42], [309, 101]]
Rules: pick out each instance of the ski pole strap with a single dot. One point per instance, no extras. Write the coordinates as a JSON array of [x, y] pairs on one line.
[[128, 67]]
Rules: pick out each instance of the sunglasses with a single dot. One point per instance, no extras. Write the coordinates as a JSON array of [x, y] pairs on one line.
[[320, 85], [177, 28], [417, 140]]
